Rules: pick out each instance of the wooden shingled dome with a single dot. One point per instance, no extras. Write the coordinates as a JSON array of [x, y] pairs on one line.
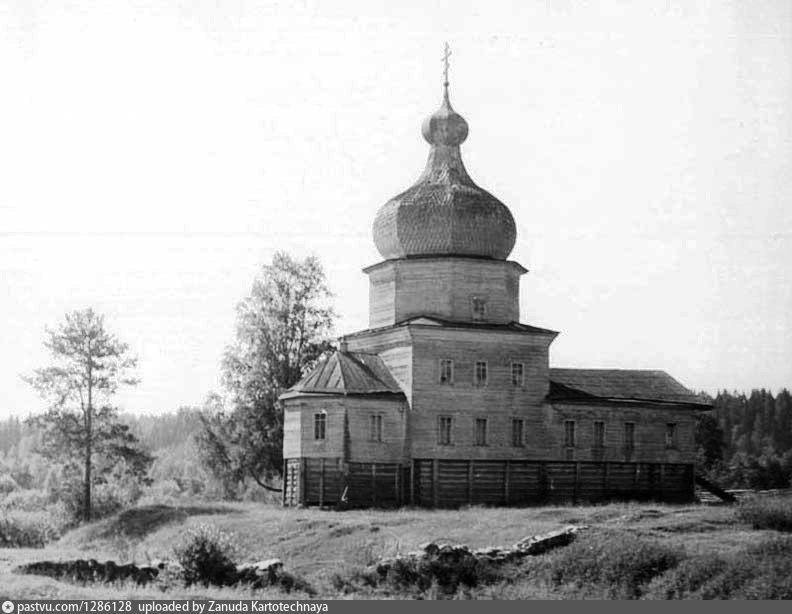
[[445, 212]]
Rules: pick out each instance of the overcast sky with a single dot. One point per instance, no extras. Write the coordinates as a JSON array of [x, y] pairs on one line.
[[154, 154]]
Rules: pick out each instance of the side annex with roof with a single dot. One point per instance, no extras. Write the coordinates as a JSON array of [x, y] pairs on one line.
[[447, 399]]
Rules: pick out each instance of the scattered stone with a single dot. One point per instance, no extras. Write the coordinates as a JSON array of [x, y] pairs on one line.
[[260, 573], [457, 555], [539, 544], [90, 571]]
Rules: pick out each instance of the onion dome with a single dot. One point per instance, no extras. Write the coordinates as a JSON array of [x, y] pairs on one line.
[[445, 213]]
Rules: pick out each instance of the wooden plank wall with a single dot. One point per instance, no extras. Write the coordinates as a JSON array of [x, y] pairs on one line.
[[452, 483], [323, 481]]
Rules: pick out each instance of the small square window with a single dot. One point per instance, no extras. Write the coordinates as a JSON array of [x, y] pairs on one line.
[[446, 371], [518, 432], [569, 433], [375, 428], [444, 425], [481, 432], [480, 373], [320, 425], [671, 435], [517, 374]]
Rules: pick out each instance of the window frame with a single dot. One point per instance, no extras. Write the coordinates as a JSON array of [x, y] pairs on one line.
[[320, 426], [448, 439], [375, 428], [629, 443], [521, 383], [518, 442], [671, 435], [598, 437], [478, 308], [570, 434], [477, 382], [446, 362], [483, 440]]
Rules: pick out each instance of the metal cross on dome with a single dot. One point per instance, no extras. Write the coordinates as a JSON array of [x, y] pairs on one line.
[[446, 55]]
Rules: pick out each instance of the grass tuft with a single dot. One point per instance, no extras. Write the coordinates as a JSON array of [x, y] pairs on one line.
[[761, 571], [767, 513], [610, 563]]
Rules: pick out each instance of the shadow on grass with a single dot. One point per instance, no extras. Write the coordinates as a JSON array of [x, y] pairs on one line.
[[138, 522]]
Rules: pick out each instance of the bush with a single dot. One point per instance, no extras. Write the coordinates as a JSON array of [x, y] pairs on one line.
[[355, 580], [207, 556], [767, 513], [7, 484], [288, 583], [31, 529], [30, 500], [615, 564]]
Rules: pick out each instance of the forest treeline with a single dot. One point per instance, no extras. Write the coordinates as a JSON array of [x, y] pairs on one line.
[[168, 437], [746, 440]]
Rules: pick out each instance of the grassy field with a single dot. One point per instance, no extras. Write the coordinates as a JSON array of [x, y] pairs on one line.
[[326, 546]]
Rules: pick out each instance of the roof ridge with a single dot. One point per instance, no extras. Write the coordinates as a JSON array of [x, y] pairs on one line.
[[609, 369], [339, 356]]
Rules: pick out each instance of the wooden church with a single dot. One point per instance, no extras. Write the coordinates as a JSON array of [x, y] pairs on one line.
[[447, 399]]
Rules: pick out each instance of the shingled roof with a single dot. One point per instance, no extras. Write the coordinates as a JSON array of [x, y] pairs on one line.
[[625, 385], [440, 322], [348, 373]]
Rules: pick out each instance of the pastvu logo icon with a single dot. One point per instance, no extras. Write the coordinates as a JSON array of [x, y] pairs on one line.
[[8, 607]]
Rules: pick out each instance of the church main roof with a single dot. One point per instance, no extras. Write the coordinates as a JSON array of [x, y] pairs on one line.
[[348, 373], [620, 385], [445, 212]]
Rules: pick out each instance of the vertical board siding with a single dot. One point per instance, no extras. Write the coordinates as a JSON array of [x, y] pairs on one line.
[[592, 482], [373, 485], [454, 483], [561, 481], [323, 481], [488, 479]]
